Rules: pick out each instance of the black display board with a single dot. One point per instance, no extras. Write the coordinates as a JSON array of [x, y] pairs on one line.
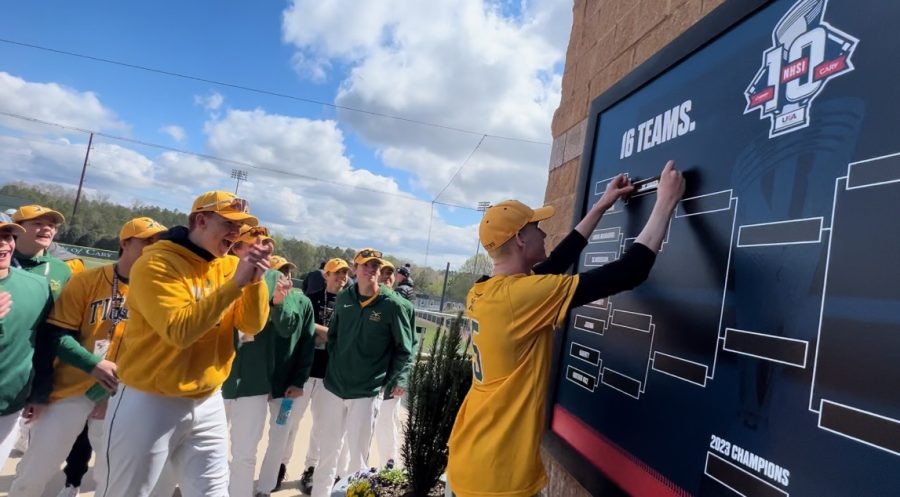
[[762, 355]]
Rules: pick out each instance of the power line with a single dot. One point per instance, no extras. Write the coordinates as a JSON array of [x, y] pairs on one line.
[[264, 92], [461, 166], [222, 160]]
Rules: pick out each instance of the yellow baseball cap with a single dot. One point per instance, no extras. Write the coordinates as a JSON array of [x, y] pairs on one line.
[[387, 263], [225, 204], [277, 262], [140, 227], [502, 221], [250, 233], [13, 228], [29, 212], [335, 265], [367, 254]]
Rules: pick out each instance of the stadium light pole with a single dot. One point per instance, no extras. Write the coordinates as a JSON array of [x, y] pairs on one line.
[[482, 208], [239, 175]]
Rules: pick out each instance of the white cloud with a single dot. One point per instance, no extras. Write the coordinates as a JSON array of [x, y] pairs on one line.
[[118, 172], [211, 102], [344, 209], [185, 174], [175, 132], [314, 69], [54, 103], [352, 207], [460, 63]]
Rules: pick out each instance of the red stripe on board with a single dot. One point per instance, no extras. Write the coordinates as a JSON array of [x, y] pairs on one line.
[[627, 471]]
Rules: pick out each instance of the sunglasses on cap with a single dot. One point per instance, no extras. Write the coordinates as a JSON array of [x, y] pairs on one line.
[[235, 204], [258, 231], [369, 253]]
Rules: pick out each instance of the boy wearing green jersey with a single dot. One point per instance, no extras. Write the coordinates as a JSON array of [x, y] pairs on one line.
[[370, 341], [24, 304], [32, 247], [268, 367]]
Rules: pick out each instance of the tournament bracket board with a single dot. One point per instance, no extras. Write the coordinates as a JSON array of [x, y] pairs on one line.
[[762, 355]]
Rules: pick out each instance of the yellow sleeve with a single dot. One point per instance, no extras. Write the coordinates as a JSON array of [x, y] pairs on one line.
[[70, 308], [76, 265], [251, 311], [165, 300], [542, 301]]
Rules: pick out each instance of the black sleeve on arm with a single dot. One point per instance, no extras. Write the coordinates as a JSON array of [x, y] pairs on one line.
[[316, 307], [45, 346], [624, 274], [563, 255]]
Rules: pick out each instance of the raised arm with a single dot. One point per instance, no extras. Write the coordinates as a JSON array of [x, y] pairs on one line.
[[634, 267], [569, 249]]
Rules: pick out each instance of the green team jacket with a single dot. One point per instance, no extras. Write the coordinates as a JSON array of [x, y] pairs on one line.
[[281, 355], [54, 270], [369, 348], [18, 329]]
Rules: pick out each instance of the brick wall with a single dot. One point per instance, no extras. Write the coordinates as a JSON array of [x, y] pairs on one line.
[[609, 38]]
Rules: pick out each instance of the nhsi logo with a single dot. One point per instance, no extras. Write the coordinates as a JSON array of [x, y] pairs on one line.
[[806, 53]]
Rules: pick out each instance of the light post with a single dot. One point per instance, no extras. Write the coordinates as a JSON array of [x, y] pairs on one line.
[[239, 175], [482, 208]]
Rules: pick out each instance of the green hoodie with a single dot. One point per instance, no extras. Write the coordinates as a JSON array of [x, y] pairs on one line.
[[31, 304], [280, 355], [369, 348], [54, 270]]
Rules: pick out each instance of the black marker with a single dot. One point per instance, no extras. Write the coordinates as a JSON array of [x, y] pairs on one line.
[[646, 185]]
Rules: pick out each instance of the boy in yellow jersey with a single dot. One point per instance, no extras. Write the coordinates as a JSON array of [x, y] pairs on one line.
[[87, 322], [495, 443], [186, 297]]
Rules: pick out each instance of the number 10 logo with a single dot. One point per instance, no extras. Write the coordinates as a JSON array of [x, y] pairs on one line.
[[806, 53]]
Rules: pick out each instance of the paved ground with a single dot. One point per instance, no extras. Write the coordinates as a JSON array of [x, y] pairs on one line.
[[290, 488]]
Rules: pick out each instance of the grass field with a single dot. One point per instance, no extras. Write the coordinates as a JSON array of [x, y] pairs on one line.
[[430, 335], [90, 262]]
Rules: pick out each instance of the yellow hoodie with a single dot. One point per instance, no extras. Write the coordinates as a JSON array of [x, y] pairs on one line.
[[183, 309]]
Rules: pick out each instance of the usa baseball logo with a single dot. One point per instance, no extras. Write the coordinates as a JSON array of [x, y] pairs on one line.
[[806, 54]]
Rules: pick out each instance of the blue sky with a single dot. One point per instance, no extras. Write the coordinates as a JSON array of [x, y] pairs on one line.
[[449, 63]]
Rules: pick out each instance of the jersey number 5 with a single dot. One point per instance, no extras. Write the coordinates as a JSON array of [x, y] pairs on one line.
[[476, 365], [477, 370]]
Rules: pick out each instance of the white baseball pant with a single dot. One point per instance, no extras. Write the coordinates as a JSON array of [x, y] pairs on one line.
[[143, 430], [57, 428], [316, 387], [387, 431], [281, 438], [247, 418], [356, 419], [165, 486], [24, 434], [9, 431]]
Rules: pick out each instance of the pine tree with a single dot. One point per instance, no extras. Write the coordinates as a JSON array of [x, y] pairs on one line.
[[437, 387]]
